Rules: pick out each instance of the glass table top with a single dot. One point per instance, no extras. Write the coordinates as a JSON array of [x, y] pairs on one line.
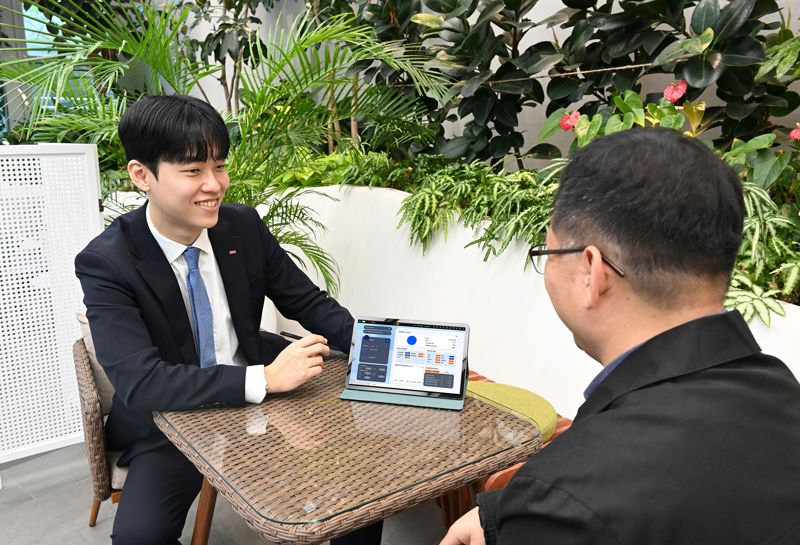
[[306, 456]]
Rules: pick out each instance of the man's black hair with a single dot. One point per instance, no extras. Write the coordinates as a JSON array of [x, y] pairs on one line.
[[660, 204], [176, 129]]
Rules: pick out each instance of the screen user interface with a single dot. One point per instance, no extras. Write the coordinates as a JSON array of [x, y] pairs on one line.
[[408, 356]]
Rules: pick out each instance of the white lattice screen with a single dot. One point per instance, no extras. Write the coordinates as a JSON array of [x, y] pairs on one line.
[[49, 212]]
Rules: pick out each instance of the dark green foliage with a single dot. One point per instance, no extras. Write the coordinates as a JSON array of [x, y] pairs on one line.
[[469, 39], [708, 43], [719, 44]]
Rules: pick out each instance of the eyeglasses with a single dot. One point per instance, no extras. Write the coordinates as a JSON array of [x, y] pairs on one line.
[[538, 255]]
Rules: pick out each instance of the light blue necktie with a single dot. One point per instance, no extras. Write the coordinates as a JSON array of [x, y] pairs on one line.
[[201, 309]]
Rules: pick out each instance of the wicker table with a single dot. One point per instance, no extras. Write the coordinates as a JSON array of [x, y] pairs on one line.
[[305, 467]]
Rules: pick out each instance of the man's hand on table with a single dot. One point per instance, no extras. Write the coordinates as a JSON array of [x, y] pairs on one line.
[[465, 531], [297, 363]]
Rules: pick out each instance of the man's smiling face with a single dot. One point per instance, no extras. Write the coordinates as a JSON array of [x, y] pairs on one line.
[[185, 198]]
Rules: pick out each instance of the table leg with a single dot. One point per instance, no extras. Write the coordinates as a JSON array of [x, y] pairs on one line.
[[458, 502], [205, 512]]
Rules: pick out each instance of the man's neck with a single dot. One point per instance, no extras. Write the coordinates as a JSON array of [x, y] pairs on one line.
[[175, 234], [636, 326]]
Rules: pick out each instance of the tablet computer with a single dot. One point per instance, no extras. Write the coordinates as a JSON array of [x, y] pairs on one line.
[[408, 362]]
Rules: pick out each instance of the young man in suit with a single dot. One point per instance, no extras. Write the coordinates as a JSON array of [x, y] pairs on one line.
[[174, 293], [690, 434]]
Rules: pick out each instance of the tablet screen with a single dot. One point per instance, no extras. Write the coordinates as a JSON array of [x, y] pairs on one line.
[[426, 358]]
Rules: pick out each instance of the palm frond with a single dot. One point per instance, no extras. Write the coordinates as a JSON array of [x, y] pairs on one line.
[[295, 225], [111, 41]]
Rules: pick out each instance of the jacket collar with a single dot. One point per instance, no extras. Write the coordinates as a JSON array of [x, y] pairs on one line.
[[687, 348], [156, 271], [230, 260]]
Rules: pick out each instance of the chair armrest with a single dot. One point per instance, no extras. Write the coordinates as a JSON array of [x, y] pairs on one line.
[[92, 415]]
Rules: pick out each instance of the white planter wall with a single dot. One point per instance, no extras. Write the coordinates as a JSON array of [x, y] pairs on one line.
[[516, 337]]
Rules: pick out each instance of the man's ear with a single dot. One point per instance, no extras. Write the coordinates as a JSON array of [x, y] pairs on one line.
[[596, 277], [140, 175]]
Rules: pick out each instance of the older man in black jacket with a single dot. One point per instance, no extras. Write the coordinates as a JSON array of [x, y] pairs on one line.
[[690, 435]]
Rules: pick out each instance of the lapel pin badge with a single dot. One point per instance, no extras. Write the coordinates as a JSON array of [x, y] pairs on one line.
[[231, 252]]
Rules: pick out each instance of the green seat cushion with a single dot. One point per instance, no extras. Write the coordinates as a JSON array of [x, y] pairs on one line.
[[524, 403]]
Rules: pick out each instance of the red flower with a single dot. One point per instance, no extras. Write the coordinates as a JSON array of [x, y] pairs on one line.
[[569, 120], [675, 91], [794, 134]]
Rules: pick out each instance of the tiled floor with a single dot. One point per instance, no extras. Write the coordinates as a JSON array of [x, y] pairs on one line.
[[45, 500]]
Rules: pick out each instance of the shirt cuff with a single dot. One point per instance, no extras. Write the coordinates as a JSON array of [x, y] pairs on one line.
[[255, 384]]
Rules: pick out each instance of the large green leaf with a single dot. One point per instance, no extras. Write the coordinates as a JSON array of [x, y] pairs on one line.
[[653, 39], [489, 11], [456, 147], [561, 87], [505, 111], [694, 113], [768, 167], [482, 109], [551, 125], [745, 51], [575, 46], [475, 82], [587, 130], [625, 80], [764, 7], [614, 124], [732, 17], [630, 104], [741, 148], [792, 103], [700, 72], [544, 151], [705, 15], [736, 81], [740, 110], [442, 6], [561, 16], [428, 19], [624, 42], [612, 21], [685, 49], [512, 80], [499, 146], [538, 57]]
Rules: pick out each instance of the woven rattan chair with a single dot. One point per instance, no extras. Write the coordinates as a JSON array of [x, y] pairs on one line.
[[107, 478]]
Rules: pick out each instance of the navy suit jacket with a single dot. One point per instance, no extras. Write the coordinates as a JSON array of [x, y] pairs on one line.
[[694, 439], [142, 333]]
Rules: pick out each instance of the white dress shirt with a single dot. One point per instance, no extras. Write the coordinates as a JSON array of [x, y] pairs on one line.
[[226, 344]]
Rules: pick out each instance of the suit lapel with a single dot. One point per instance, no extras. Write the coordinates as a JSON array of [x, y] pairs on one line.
[[156, 271], [230, 260], [693, 346]]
